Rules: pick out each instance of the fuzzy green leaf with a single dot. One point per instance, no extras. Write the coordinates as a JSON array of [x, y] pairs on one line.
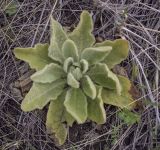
[[77, 73], [68, 118], [124, 100], [76, 104], [101, 74], [55, 119], [37, 57], [48, 74], [120, 49], [69, 49], [40, 94], [96, 111], [82, 35], [67, 64], [95, 54], [129, 117], [84, 65], [57, 33], [88, 87], [58, 37], [55, 53], [72, 81]]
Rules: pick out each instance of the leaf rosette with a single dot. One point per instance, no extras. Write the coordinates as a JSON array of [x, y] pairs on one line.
[[73, 74]]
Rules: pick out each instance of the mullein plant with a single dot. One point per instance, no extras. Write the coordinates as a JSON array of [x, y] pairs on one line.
[[73, 75]]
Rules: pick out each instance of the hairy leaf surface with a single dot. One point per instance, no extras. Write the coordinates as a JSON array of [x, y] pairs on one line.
[[67, 64], [84, 65], [37, 57], [82, 35], [70, 50], [124, 100], [96, 111], [40, 94], [48, 74], [55, 119], [119, 51], [72, 81], [58, 37], [95, 54], [76, 104], [55, 53], [88, 87], [77, 73], [101, 74]]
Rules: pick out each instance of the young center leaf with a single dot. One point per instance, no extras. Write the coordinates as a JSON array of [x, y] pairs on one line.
[[37, 57], [77, 73], [88, 87], [84, 66], [82, 35], [67, 64], [72, 81], [120, 49], [69, 49]]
